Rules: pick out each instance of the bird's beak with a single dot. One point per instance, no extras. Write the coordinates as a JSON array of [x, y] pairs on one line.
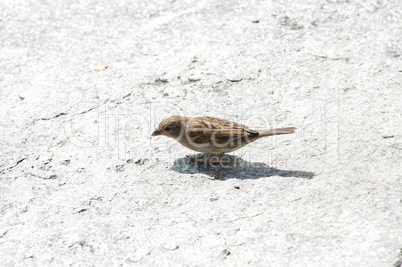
[[156, 132]]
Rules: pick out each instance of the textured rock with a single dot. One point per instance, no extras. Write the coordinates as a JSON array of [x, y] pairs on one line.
[[82, 182]]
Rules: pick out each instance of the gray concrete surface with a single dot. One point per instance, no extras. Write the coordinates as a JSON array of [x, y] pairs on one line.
[[83, 184]]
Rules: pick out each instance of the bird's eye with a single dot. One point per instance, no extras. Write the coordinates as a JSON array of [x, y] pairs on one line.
[[167, 129]]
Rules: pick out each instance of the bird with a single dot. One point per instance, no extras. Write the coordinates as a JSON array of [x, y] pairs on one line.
[[212, 135]]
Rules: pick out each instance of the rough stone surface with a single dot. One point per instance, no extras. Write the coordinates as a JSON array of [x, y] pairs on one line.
[[82, 183]]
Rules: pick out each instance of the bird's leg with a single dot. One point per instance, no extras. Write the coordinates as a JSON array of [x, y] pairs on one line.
[[195, 160], [220, 156], [207, 161]]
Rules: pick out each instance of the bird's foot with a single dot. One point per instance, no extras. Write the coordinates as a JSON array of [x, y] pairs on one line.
[[206, 161]]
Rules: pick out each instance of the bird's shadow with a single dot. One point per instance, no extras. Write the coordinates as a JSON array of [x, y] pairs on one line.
[[235, 167]]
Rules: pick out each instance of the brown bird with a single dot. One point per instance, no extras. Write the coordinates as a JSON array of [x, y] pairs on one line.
[[212, 135]]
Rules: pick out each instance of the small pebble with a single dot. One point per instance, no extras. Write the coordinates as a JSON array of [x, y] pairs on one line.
[[119, 168], [100, 66]]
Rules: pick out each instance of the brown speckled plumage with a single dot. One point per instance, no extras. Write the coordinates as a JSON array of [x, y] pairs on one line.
[[212, 135]]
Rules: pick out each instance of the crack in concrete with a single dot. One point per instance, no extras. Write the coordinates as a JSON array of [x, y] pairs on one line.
[[55, 116], [86, 111], [346, 59], [247, 217], [3, 234], [64, 114], [50, 177], [12, 167], [79, 113]]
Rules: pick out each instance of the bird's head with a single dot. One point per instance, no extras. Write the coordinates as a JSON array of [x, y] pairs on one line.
[[171, 127]]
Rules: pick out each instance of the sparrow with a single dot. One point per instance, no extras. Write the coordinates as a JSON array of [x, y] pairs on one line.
[[212, 135]]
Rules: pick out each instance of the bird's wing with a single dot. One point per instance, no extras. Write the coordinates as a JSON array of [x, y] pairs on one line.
[[210, 129]]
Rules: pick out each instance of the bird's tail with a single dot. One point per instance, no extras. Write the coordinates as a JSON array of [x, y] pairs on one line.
[[288, 130]]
